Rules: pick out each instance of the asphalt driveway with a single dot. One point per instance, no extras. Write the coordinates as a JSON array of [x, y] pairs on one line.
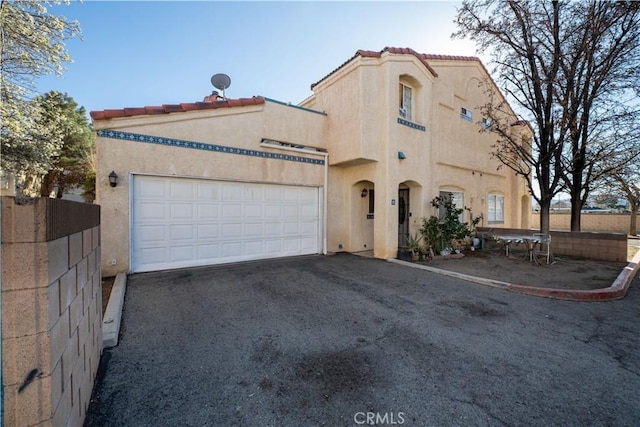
[[346, 341]]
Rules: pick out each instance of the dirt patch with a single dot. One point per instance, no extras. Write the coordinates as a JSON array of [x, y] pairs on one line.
[[563, 273], [107, 285]]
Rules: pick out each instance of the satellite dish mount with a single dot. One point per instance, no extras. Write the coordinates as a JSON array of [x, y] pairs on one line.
[[221, 82]]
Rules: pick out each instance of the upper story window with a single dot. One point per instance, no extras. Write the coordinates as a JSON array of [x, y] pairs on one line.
[[496, 209], [406, 101], [487, 124], [466, 114]]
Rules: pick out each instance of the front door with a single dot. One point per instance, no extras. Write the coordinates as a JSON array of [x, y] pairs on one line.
[[403, 217]]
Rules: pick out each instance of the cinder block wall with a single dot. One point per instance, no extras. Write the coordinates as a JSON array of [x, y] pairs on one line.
[[588, 245], [51, 308], [607, 222]]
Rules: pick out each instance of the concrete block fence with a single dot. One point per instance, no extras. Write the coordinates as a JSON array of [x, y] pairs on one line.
[[587, 245], [594, 222], [51, 310]]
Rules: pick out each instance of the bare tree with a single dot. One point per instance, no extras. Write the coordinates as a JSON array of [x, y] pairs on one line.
[[571, 70], [598, 93], [624, 181]]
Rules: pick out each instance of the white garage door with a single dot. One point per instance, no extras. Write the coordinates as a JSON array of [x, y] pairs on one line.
[[178, 222]]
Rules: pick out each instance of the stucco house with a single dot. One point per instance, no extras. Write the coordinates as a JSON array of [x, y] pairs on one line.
[[351, 168]]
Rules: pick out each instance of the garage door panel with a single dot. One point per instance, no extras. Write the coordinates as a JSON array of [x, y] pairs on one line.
[[291, 245], [181, 211], [272, 212], [181, 253], [210, 251], [152, 233], [308, 228], [290, 211], [232, 231], [254, 230], [180, 222], [308, 243], [290, 228], [150, 210], [231, 249], [152, 189], [208, 211], [231, 192], [291, 195], [253, 211], [181, 190], [207, 231], [181, 232], [273, 246], [152, 255], [272, 229], [309, 197], [253, 194], [209, 191], [253, 247], [232, 211], [273, 194], [308, 211]]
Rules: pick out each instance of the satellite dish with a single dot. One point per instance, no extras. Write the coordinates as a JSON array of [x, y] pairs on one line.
[[221, 81]]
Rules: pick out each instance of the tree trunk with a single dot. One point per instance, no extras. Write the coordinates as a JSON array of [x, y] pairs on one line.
[[633, 219], [576, 209], [545, 206], [46, 184]]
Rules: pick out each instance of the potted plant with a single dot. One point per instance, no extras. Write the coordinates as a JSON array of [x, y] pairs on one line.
[[413, 245]]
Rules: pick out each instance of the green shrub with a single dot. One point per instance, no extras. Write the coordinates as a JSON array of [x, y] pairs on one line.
[[448, 232]]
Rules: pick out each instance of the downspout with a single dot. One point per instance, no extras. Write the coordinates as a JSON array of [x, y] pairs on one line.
[[265, 143], [324, 204]]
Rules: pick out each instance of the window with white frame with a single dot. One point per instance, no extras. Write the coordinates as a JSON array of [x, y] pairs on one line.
[[458, 201], [406, 95], [486, 123], [466, 114], [496, 209]]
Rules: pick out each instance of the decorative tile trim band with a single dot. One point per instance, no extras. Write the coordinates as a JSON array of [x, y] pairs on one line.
[[411, 124], [135, 137]]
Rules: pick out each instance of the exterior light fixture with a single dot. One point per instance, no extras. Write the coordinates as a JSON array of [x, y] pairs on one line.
[[113, 179], [401, 155], [364, 193]]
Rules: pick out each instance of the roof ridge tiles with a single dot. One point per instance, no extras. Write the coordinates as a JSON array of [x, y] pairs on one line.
[[175, 108], [422, 57]]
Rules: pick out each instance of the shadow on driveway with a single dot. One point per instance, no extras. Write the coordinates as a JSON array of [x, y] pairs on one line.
[[340, 340]]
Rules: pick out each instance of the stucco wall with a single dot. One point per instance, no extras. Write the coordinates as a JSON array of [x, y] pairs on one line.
[[462, 154], [241, 127], [609, 222], [441, 150], [51, 310]]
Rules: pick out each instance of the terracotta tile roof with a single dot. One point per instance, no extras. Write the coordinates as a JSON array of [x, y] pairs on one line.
[[176, 108], [423, 57]]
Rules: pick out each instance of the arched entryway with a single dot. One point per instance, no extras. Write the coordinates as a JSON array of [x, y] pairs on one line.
[[409, 212], [362, 216]]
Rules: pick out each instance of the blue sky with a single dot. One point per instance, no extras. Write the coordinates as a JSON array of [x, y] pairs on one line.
[[135, 54]]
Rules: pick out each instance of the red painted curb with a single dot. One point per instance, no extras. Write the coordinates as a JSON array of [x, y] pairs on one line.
[[617, 290]]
